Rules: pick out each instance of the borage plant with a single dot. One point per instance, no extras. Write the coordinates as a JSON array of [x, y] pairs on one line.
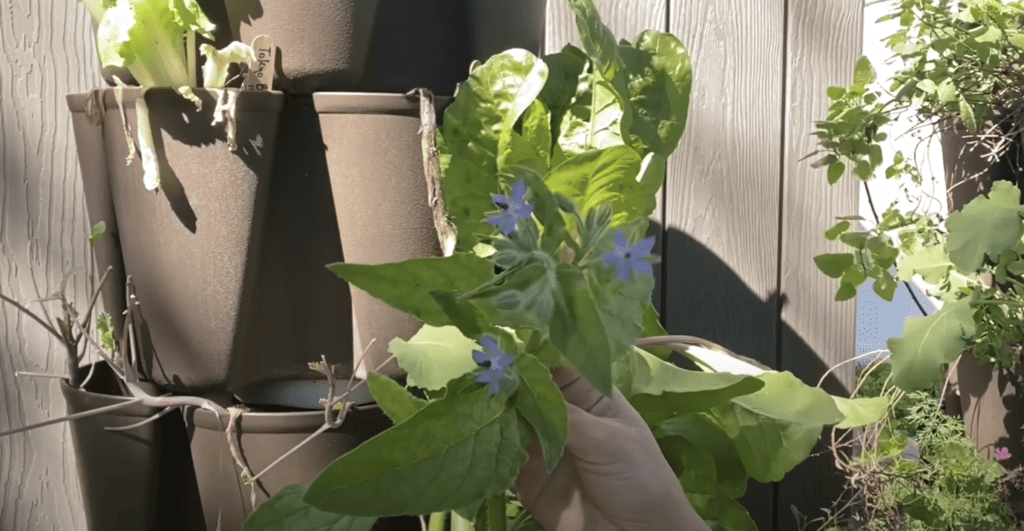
[[549, 168]]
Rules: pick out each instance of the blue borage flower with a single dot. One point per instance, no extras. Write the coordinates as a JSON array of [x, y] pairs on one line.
[[495, 361], [625, 260], [513, 209]]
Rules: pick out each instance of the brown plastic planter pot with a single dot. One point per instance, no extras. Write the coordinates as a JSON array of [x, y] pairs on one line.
[[430, 43], [321, 44], [192, 246], [131, 480], [262, 438], [87, 121], [375, 161]]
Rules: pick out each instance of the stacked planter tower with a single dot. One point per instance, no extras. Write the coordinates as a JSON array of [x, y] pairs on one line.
[[228, 297]]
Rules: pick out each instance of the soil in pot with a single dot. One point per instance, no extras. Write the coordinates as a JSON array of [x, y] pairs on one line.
[[375, 161], [139, 479], [263, 436], [192, 246]]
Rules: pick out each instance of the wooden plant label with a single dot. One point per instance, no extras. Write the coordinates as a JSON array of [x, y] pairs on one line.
[[261, 69]]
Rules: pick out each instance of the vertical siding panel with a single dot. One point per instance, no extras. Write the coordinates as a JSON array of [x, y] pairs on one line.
[[48, 52], [824, 41], [722, 194], [626, 19]]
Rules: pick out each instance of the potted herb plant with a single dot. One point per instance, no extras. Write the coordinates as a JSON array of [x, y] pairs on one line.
[[548, 168], [962, 75]]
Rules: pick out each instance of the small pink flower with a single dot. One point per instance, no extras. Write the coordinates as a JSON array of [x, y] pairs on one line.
[[1002, 453]]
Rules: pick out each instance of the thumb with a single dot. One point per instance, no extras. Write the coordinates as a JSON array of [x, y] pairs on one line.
[[575, 388]]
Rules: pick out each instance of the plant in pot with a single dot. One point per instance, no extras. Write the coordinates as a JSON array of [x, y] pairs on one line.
[[962, 74], [190, 202], [130, 442], [548, 168]]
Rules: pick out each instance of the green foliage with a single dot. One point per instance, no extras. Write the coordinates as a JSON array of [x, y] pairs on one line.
[[98, 232], [105, 326]]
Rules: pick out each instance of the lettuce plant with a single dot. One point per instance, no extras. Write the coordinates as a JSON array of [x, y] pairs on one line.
[[550, 169], [155, 40]]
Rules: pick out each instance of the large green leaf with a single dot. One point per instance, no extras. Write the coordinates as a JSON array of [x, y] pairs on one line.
[[598, 177], [469, 442], [620, 306], [930, 261], [396, 401], [701, 430], [522, 296], [578, 330], [407, 285], [652, 328], [774, 429], [598, 118], [485, 110], [434, 356], [928, 342], [987, 225], [287, 512], [565, 69], [541, 403], [660, 77], [599, 42], [860, 411], [695, 468]]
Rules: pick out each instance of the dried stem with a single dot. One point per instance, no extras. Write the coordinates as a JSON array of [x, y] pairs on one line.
[[446, 232]]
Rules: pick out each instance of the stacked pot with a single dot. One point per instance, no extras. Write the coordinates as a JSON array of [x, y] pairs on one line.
[[227, 256]]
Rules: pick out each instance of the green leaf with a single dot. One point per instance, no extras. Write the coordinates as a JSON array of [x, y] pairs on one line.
[[598, 177], [704, 432], [1016, 38], [522, 296], [988, 225], [472, 443], [885, 287], [599, 43], [287, 512], [947, 91], [541, 403], [488, 105], [863, 73], [861, 411], [105, 326], [434, 356], [967, 115], [537, 130], [407, 285], [846, 292], [836, 93], [929, 261], [834, 264], [621, 306], [775, 428], [929, 342], [652, 328], [837, 230], [660, 78], [99, 231], [597, 119], [835, 172], [396, 401], [578, 331]]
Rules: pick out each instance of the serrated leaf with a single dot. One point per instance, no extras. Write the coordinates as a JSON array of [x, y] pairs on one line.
[[396, 401], [406, 285], [470, 442], [985, 226], [287, 512], [541, 403], [929, 342], [434, 356]]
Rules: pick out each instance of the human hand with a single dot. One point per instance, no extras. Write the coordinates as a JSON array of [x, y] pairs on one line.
[[612, 475]]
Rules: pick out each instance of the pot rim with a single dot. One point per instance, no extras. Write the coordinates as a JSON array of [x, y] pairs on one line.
[[373, 103], [248, 100], [262, 422], [97, 400]]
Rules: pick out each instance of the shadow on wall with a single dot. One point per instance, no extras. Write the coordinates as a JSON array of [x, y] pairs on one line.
[[702, 296]]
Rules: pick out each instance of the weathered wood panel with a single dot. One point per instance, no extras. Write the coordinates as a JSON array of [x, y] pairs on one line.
[[48, 52], [722, 192], [823, 42], [626, 19]]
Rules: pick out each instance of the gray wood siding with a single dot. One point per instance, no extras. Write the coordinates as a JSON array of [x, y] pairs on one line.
[[48, 52], [739, 222]]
